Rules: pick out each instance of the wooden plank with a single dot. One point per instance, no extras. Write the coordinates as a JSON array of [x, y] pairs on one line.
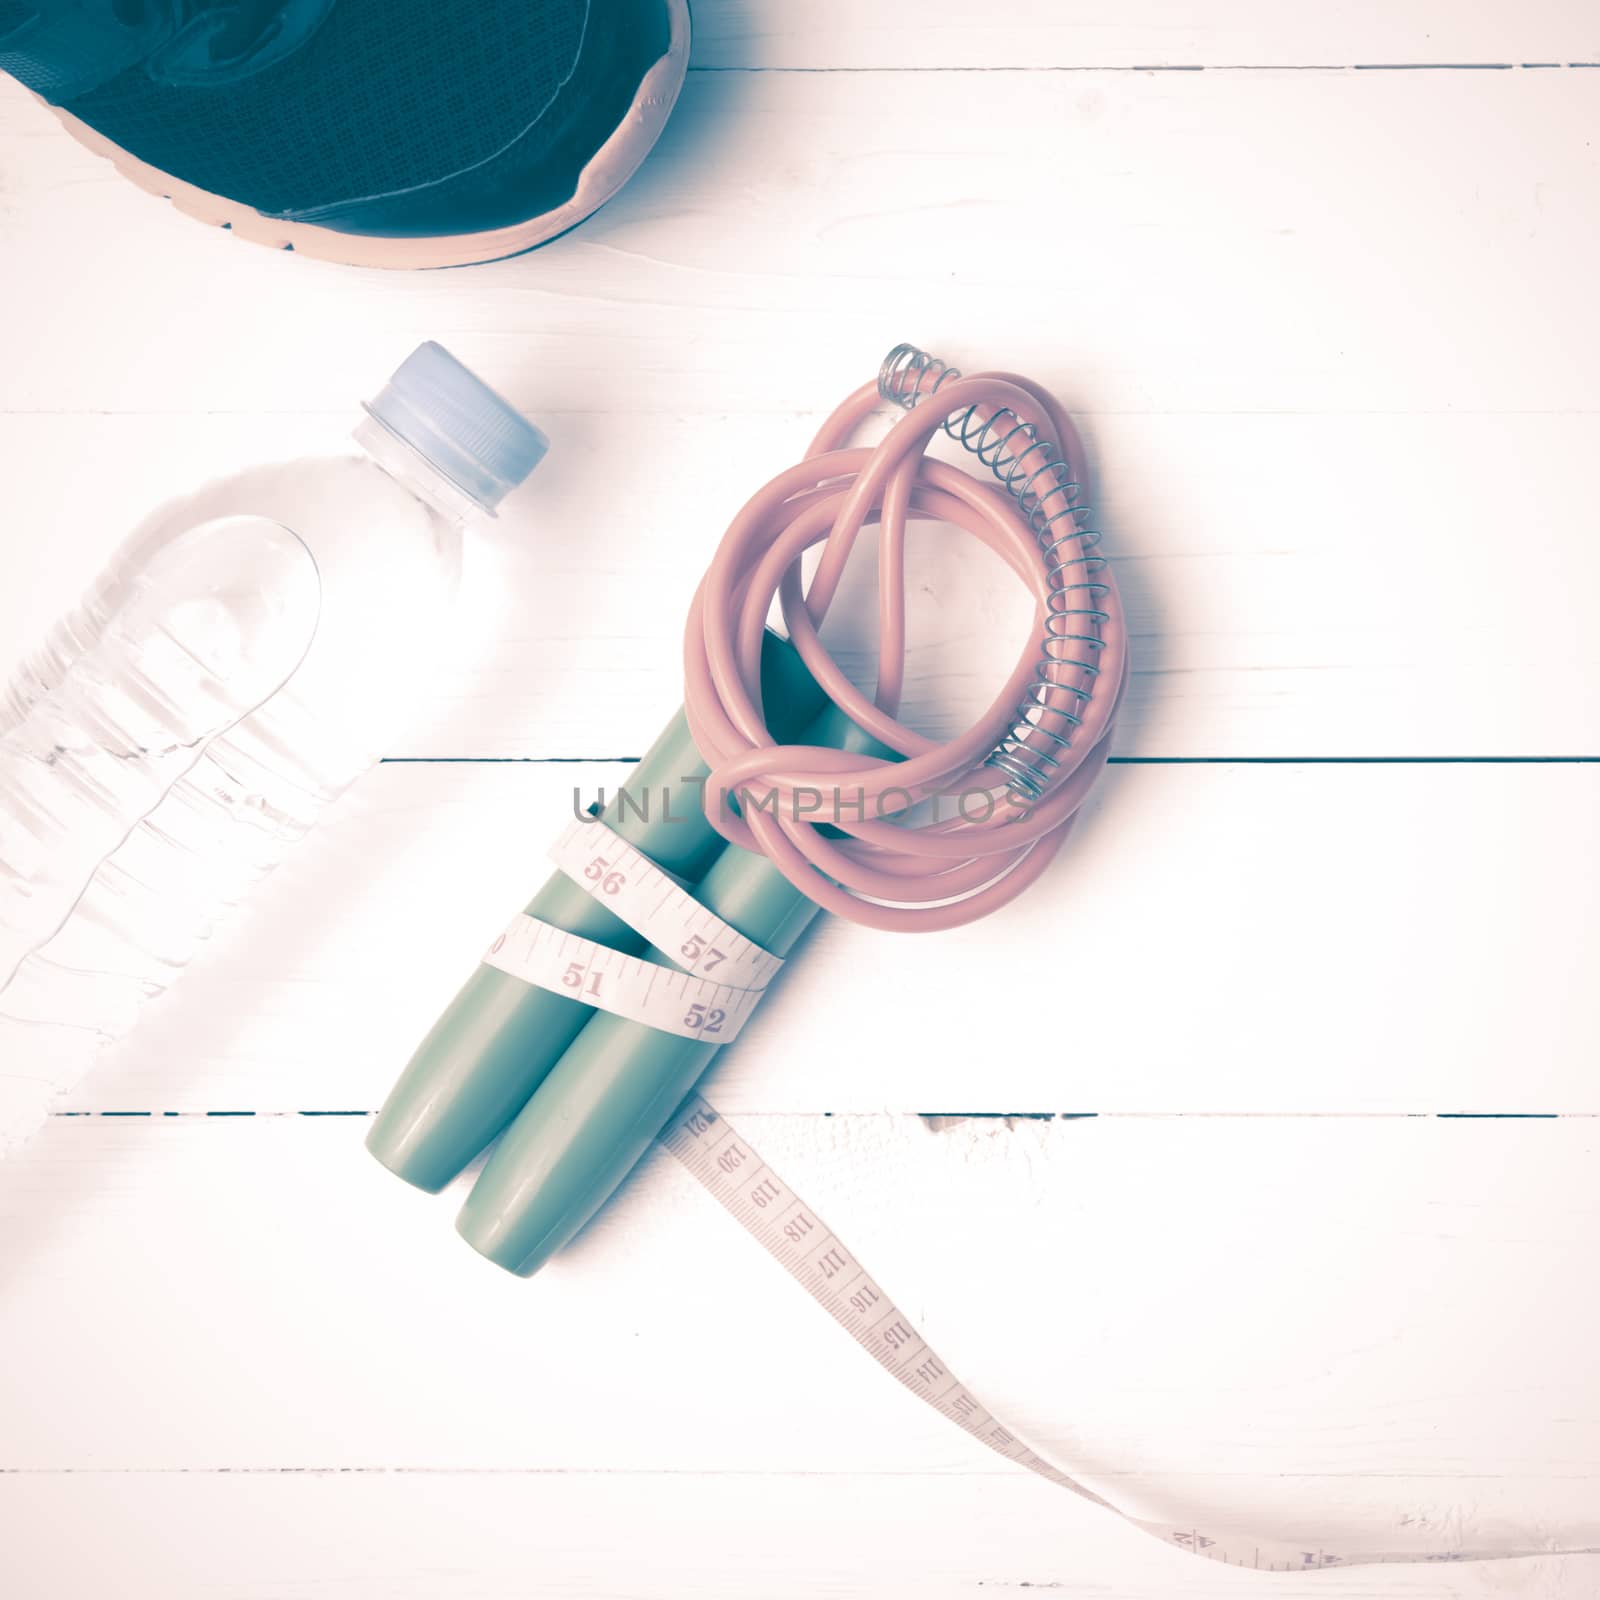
[[1282, 606], [489, 1536], [1270, 1322], [1035, 35], [1367, 623], [1360, 242], [1349, 939]]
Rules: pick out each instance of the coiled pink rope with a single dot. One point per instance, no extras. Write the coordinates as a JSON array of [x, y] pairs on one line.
[[891, 870]]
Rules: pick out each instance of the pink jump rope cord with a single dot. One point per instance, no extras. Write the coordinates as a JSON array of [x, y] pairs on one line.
[[1069, 678]]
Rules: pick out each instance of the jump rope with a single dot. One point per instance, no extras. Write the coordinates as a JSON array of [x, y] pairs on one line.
[[1043, 741], [579, 1041]]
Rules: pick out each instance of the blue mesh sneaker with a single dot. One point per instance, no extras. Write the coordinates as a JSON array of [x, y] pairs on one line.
[[393, 133]]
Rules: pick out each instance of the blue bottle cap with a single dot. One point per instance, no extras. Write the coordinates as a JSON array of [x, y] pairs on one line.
[[459, 424]]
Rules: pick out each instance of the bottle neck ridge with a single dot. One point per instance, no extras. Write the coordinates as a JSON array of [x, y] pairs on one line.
[[409, 467]]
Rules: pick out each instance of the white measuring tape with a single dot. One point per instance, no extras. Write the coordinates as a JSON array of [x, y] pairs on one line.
[[683, 998], [792, 1233], [632, 887], [682, 1001]]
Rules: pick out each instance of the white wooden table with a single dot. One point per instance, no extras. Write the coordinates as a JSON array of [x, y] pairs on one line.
[[1321, 1250]]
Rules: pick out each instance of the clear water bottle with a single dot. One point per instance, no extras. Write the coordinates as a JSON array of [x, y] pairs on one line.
[[246, 656]]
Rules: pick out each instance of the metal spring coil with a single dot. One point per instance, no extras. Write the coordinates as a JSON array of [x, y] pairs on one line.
[[1032, 470]]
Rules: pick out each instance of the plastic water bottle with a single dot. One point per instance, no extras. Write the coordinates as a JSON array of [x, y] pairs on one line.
[[246, 656], [207, 632]]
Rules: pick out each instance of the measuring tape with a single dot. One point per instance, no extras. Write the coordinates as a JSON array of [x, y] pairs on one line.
[[792, 1233], [630, 885], [683, 1000]]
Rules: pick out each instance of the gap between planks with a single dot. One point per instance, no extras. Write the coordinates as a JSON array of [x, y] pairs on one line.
[[938, 1121], [1115, 761], [1227, 66]]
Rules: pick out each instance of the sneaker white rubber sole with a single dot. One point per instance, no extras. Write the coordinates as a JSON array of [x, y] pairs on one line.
[[610, 167]]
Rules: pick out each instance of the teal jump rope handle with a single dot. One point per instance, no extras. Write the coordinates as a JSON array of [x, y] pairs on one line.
[[618, 1082], [495, 1042]]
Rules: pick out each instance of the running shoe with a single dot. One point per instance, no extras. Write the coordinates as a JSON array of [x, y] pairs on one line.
[[388, 133]]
